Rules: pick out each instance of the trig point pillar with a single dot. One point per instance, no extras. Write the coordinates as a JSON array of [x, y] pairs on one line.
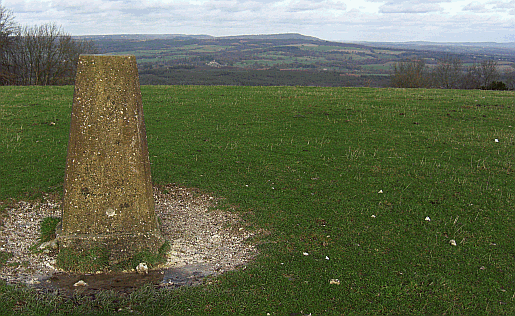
[[108, 201]]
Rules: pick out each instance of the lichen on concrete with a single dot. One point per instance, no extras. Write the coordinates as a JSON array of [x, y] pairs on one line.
[[108, 199]]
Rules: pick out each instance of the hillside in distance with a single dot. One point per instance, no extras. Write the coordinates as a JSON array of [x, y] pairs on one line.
[[276, 59], [147, 37], [492, 49]]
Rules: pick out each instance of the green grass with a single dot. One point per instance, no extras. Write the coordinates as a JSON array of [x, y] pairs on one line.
[[326, 48], [91, 260], [4, 256], [385, 67], [97, 259], [307, 165], [48, 228]]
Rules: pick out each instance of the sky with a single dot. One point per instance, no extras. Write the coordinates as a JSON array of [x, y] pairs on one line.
[[334, 20]]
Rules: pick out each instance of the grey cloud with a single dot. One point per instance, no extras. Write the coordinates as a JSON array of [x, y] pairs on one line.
[[265, 1], [328, 19], [391, 2], [232, 6], [475, 7], [26, 7], [305, 5], [140, 12], [501, 5], [409, 7]]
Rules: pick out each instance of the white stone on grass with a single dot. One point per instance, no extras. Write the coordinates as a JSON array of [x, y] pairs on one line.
[[142, 268], [80, 283]]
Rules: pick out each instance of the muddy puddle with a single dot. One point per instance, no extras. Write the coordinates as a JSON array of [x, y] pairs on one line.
[[68, 284]]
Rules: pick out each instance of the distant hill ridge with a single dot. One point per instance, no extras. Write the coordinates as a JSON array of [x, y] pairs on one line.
[[283, 36], [143, 37]]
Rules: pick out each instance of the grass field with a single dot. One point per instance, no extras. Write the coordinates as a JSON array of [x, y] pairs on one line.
[[349, 177]]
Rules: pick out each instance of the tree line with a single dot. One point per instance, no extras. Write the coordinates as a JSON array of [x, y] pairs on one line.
[[37, 55], [448, 73]]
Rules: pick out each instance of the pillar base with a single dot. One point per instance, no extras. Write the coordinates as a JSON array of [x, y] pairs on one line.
[[105, 251]]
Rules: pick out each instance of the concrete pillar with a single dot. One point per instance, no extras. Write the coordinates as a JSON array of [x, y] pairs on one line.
[[108, 201]]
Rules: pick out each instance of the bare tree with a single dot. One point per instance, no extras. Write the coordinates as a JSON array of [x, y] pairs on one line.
[[448, 73], [8, 29], [45, 55], [481, 75], [489, 72], [472, 79], [509, 76], [410, 74]]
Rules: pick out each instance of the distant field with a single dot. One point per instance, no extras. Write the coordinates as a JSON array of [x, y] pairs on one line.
[[161, 57], [384, 67], [360, 191]]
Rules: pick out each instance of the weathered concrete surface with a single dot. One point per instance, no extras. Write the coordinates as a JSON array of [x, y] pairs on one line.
[[108, 200]]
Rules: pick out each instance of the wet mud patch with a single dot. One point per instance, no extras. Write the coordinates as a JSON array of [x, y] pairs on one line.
[[69, 284], [204, 242]]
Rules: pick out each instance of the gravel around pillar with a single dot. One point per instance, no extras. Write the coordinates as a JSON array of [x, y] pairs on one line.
[[108, 204]]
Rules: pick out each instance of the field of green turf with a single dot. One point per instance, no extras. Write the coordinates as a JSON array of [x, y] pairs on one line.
[[366, 186]]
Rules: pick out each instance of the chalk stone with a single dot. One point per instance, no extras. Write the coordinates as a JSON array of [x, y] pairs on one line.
[[108, 201]]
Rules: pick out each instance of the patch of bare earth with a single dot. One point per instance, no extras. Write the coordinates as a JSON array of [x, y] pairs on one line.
[[199, 235]]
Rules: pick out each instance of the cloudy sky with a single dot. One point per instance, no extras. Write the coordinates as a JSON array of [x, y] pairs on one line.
[[338, 20]]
